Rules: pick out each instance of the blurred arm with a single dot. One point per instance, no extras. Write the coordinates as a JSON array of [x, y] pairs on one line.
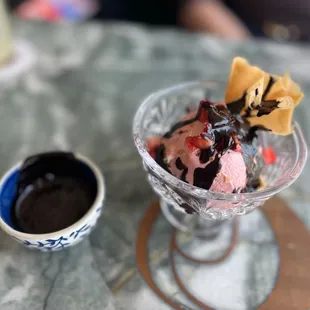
[[214, 17]]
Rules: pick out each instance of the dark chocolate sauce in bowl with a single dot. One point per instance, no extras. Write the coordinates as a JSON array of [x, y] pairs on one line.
[[54, 191]]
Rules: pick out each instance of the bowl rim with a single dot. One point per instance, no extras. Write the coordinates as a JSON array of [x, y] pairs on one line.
[[201, 193], [98, 200]]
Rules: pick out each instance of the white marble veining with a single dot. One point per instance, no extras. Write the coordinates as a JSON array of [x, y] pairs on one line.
[[81, 95]]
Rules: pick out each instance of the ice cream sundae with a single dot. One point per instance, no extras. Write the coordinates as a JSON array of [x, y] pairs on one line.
[[216, 147]]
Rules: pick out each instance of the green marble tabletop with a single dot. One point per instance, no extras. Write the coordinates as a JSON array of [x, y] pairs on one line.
[[81, 94]]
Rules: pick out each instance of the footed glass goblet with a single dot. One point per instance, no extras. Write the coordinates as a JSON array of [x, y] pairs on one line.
[[193, 209]]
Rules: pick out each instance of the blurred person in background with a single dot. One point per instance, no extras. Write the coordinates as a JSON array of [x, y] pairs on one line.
[[233, 19], [54, 10], [277, 19]]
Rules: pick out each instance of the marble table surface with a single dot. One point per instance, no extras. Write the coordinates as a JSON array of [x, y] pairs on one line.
[[81, 94]]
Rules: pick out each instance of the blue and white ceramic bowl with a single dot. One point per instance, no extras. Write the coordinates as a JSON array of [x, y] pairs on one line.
[[59, 239]]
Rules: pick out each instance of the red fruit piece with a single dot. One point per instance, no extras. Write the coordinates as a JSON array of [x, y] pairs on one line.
[[269, 155], [203, 115], [152, 144], [197, 142], [191, 147]]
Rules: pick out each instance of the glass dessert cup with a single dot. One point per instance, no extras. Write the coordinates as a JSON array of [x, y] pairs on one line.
[[192, 209]]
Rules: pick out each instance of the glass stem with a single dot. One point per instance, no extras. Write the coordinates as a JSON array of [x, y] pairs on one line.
[[192, 223]]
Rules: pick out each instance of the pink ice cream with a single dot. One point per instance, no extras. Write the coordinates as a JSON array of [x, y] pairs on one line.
[[232, 175], [206, 149]]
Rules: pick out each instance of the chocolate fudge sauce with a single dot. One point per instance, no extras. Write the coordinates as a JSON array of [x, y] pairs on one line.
[[226, 131], [54, 191]]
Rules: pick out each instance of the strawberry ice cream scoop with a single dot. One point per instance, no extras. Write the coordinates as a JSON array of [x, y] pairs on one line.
[[210, 148], [232, 175]]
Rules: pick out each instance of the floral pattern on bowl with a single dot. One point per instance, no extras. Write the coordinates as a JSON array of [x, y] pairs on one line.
[[58, 240]]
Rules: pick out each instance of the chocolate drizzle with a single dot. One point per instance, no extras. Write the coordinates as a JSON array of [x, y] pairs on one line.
[[205, 155], [220, 128], [179, 125], [267, 106], [235, 107], [268, 88], [264, 108], [222, 131], [203, 177], [181, 166], [159, 157]]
